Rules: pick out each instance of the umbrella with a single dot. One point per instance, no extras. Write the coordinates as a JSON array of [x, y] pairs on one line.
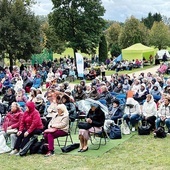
[[85, 105]]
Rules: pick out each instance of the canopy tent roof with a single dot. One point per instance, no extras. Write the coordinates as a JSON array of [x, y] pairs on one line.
[[137, 51]]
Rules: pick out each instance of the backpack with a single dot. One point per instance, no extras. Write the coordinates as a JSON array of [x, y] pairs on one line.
[[160, 132], [27, 147], [40, 147], [114, 132]]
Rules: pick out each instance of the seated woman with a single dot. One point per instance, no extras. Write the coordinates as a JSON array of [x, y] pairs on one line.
[[40, 104], [164, 114], [58, 126], [140, 95], [21, 98], [9, 97], [71, 108], [11, 123], [95, 118], [132, 112], [149, 111], [115, 111], [30, 124]]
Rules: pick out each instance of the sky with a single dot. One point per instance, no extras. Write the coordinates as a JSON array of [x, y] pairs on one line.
[[118, 10]]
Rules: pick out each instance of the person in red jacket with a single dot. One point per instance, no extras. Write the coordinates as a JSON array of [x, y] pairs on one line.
[[30, 125], [11, 122]]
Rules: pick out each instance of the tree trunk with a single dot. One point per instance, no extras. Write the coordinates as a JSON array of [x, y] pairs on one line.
[[74, 50], [11, 63]]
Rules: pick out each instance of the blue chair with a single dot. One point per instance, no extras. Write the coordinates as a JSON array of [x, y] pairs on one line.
[[102, 101]]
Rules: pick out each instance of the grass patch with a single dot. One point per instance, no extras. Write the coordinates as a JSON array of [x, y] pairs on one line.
[[139, 152], [68, 52], [110, 72]]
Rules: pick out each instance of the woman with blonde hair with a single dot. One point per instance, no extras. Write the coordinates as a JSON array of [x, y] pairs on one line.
[[58, 126]]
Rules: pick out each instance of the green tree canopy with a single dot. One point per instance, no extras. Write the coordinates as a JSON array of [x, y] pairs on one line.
[[150, 19], [133, 32], [159, 35], [103, 49], [79, 23], [112, 34], [50, 39], [19, 30]]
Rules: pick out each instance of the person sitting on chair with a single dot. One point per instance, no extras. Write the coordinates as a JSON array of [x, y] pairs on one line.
[[57, 127], [164, 114], [11, 123], [115, 111], [132, 112], [149, 111], [95, 118], [30, 125]]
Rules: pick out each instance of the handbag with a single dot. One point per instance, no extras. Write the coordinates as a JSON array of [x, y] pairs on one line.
[[144, 129], [71, 147], [125, 128], [11, 131], [84, 125], [114, 132]]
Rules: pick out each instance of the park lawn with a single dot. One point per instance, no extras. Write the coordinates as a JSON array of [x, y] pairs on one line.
[[139, 152], [68, 52]]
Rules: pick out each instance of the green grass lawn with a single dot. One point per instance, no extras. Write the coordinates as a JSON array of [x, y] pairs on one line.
[[139, 152], [68, 51]]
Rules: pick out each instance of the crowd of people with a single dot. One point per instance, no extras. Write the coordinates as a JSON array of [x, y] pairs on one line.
[[29, 110]]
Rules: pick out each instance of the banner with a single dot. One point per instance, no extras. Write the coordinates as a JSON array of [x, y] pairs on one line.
[[80, 65]]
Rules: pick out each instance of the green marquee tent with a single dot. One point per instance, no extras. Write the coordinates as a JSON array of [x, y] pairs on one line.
[[137, 51]]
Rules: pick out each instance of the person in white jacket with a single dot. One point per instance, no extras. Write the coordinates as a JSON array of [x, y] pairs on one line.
[[132, 112], [164, 114], [150, 111]]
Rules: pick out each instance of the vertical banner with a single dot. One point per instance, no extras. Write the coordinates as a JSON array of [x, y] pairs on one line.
[[80, 65]]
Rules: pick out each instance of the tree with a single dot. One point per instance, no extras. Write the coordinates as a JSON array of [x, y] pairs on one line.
[[50, 39], [115, 50], [150, 19], [102, 49], [79, 23], [133, 32], [159, 35], [112, 34], [19, 30]]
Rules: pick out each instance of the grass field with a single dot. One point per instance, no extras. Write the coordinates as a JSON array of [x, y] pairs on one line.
[[137, 153]]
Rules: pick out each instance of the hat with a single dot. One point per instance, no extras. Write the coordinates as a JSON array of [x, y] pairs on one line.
[[116, 101], [68, 91], [39, 97], [94, 105]]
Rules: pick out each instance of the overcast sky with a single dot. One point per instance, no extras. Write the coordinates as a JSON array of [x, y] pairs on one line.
[[119, 10]]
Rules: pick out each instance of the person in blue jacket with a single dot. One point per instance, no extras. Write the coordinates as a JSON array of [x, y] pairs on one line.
[[37, 81], [115, 111]]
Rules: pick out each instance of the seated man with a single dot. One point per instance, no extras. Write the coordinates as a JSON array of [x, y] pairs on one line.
[[164, 114], [91, 75], [132, 112]]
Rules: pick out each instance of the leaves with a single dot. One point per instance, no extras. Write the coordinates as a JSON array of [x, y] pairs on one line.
[[19, 29], [160, 35], [78, 22]]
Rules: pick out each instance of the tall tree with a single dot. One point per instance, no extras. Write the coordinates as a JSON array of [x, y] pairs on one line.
[[79, 23], [19, 30], [159, 35], [103, 49], [112, 34], [50, 39], [133, 32], [150, 19]]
